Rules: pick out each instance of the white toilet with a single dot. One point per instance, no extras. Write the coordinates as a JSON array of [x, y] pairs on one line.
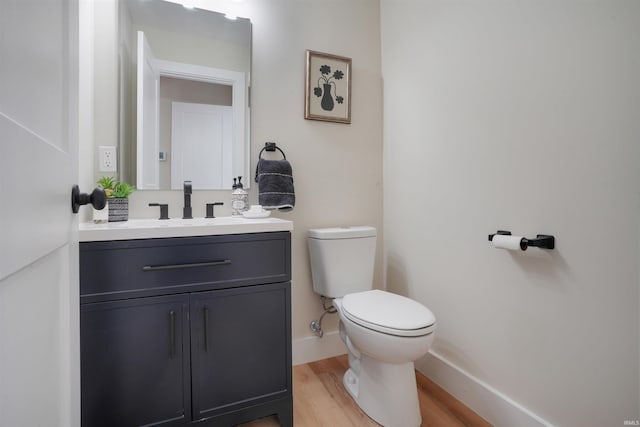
[[384, 332]]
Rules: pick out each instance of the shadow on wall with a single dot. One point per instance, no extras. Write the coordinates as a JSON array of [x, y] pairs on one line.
[[330, 321], [397, 282], [547, 267], [396, 279]]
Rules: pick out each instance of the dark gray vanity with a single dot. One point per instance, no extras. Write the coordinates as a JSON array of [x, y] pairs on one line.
[[186, 330]]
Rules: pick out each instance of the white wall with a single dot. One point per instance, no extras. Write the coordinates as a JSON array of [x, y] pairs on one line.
[[105, 74], [519, 115]]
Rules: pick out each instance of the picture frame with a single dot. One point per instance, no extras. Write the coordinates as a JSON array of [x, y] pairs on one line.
[[327, 87]]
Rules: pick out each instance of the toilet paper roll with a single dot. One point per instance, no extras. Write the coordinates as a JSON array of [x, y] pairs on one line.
[[513, 243]]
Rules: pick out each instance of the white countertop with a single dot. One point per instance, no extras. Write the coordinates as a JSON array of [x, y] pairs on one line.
[[176, 227]]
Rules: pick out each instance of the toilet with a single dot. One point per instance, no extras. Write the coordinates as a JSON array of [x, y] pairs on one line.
[[384, 332]]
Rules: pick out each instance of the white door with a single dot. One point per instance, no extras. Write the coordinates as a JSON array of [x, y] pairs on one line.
[[148, 108], [39, 326], [201, 136]]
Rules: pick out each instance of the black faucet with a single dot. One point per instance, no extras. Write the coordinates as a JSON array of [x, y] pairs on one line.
[[186, 210], [164, 210], [210, 207]]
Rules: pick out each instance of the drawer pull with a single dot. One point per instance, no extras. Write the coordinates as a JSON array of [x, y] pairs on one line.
[[191, 265]]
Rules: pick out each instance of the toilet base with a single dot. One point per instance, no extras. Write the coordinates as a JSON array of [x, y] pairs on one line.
[[385, 392]]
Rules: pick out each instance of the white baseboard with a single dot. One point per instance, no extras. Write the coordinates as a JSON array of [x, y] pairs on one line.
[[480, 397], [310, 349]]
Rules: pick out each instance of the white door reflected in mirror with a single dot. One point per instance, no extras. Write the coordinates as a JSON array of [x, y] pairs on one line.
[[199, 134]]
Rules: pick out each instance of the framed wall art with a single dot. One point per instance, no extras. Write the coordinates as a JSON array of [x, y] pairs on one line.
[[328, 88]]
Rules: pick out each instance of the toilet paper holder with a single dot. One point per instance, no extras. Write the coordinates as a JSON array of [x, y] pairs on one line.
[[542, 241]]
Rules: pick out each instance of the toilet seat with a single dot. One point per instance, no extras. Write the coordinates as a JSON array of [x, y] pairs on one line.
[[388, 313]]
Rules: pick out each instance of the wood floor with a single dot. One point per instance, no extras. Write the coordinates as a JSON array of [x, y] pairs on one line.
[[319, 399]]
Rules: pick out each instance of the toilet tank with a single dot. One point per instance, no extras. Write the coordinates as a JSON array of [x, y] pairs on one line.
[[342, 259]]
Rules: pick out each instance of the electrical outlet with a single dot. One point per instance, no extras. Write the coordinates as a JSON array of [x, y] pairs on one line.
[[107, 158]]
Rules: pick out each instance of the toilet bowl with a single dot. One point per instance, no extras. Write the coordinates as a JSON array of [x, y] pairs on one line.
[[384, 332], [381, 376]]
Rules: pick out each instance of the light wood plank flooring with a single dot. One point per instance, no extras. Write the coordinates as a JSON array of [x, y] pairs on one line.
[[319, 399]]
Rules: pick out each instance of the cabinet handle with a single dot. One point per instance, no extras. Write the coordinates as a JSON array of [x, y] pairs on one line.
[[172, 334], [191, 265], [206, 328]]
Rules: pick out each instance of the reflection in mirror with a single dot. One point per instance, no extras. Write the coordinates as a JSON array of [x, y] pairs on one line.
[[184, 110]]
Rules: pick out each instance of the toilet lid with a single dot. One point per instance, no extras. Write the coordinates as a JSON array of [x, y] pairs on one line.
[[388, 313]]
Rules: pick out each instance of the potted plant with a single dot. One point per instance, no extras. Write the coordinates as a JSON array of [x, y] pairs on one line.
[[117, 198]]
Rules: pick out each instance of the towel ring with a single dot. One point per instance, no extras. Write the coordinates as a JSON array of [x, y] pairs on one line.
[[271, 146]]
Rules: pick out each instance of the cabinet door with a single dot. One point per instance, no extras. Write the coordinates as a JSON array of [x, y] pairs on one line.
[[241, 347], [134, 362]]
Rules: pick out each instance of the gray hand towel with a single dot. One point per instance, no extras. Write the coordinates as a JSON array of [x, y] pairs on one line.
[[275, 184]]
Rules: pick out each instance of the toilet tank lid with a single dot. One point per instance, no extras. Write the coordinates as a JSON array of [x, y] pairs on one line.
[[342, 232]]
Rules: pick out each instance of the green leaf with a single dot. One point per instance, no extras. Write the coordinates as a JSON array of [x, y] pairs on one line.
[[122, 190], [114, 188], [106, 182]]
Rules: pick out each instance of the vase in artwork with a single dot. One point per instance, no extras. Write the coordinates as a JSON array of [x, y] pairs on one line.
[[327, 101]]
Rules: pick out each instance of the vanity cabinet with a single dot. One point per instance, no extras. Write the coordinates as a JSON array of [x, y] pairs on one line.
[[187, 330]]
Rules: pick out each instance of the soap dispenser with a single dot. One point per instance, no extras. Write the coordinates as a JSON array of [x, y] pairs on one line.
[[239, 198]]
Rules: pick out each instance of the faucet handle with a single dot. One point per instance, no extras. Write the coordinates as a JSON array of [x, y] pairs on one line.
[[164, 210], [210, 207]]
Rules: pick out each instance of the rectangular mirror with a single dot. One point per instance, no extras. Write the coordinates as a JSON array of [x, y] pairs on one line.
[[184, 96]]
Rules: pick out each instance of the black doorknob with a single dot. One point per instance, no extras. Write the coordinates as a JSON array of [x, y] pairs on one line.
[[98, 198]]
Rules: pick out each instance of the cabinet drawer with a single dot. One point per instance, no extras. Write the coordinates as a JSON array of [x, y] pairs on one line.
[[133, 268]]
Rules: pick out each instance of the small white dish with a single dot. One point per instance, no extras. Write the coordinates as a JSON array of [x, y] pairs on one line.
[[249, 214]]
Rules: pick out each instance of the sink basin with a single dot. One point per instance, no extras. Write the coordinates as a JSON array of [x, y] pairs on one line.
[[178, 227]]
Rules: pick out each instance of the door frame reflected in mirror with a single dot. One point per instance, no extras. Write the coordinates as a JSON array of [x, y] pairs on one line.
[[238, 83]]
